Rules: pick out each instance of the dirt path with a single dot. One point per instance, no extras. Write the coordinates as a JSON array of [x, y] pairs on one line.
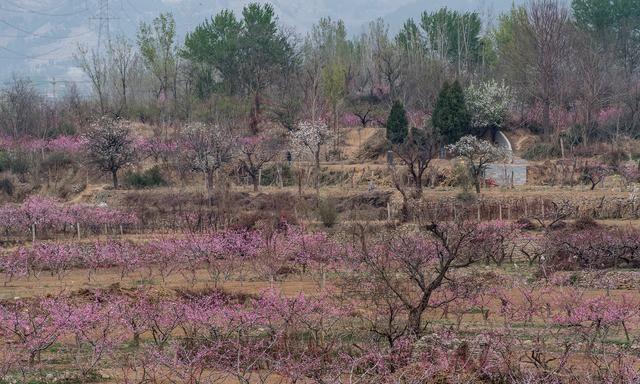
[[88, 194], [77, 280]]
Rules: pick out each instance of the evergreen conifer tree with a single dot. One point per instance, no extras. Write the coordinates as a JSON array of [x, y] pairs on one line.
[[450, 118], [397, 124]]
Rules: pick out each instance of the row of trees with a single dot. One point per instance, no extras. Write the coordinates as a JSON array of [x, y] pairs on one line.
[[383, 322], [416, 271], [37, 214], [562, 67]]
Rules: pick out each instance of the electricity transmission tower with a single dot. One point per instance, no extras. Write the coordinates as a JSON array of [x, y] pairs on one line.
[[104, 21]]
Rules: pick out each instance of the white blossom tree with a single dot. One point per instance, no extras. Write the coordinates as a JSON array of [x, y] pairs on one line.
[[309, 139], [477, 154], [110, 146], [207, 148], [488, 104]]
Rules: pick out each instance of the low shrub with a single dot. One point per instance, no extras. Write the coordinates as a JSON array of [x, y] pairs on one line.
[[270, 175], [585, 222], [327, 213], [467, 196], [593, 248], [57, 160], [148, 179], [4, 161], [542, 151], [6, 186]]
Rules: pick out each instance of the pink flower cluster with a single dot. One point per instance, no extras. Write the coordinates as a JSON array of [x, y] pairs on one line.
[[220, 254], [560, 118], [597, 248], [64, 143], [186, 338], [46, 213], [351, 120], [155, 147], [608, 114], [216, 337]]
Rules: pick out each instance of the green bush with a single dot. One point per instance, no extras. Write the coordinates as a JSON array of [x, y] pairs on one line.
[[19, 165], [270, 175], [5, 161], [460, 177], [148, 179], [466, 196], [57, 160], [65, 128], [543, 151], [327, 213], [6, 186]]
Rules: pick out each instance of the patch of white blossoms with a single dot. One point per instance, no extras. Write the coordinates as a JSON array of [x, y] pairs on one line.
[[488, 104]]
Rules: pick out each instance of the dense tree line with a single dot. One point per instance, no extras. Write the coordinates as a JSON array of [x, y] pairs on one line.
[[247, 88], [564, 68]]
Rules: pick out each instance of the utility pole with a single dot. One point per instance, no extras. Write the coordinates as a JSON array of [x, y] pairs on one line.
[[55, 103], [53, 84], [104, 21]]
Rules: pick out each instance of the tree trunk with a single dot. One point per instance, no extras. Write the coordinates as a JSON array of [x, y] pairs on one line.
[[415, 321], [208, 180], [546, 118], [114, 178], [418, 186], [255, 113], [317, 158], [477, 184], [255, 180]]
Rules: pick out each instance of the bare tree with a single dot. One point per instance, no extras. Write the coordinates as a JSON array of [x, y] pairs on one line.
[[416, 152], [207, 148], [593, 79], [110, 146], [123, 60], [548, 27], [536, 51], [408, 273], [256, 152], [21, 109], [94, 65]]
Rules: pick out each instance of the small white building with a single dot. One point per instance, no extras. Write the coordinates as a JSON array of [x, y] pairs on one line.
[[513, 171]]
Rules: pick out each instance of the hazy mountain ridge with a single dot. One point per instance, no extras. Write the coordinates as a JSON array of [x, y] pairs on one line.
[[38, 37]]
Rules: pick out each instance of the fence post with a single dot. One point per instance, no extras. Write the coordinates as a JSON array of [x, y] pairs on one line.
[[388, 211]]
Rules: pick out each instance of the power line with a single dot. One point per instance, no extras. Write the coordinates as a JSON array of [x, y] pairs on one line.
[[134, 7], [49, 8], [34, 57], [33, 33], [25, 10], [19, 28]]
